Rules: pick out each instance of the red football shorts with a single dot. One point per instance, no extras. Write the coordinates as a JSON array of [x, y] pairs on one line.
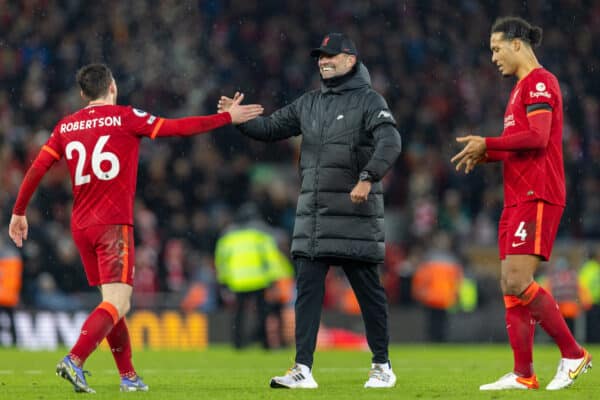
[[529, 228], [107, 253]]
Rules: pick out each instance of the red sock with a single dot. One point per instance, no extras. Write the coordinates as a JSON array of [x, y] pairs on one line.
[[543, 309], [520, 328], [94, 329], [120, 345]]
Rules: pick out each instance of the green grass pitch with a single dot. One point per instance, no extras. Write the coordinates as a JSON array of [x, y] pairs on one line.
[[424, 372]]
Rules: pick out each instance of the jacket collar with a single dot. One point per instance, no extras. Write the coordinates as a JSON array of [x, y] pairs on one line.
[[360, 78]]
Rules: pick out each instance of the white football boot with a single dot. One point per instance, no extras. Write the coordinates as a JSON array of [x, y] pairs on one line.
[[381, 376], [512, 381], [297, 377], [570, 369]]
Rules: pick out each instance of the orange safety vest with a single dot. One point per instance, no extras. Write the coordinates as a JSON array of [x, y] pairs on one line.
[[436, 284], [11, 269], [564, 286]]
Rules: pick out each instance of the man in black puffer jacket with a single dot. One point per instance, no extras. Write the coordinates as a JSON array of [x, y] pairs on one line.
[[349, 142]]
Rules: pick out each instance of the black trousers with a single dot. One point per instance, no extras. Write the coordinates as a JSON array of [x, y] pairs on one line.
[[364, 278], [592, 326], [437, 324], [242, 300], [7, 315]]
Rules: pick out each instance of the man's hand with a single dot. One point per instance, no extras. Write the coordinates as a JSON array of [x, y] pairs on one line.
[[226, 102], [232, 105], [239, 114], [17, 230], [361, 191], [471, 154]]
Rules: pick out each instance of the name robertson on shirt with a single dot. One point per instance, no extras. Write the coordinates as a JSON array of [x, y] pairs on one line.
[[90, 123]]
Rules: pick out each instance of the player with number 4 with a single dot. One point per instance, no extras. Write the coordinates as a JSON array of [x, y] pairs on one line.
[[100, 143], [530, 149]]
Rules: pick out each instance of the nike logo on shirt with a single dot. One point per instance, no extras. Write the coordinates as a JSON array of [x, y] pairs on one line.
[[518, 244]]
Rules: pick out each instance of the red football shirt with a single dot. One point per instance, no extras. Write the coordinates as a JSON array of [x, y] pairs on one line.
[[533, 173], [101, 145]]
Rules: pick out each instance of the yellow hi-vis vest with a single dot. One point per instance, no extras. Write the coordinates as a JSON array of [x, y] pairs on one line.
[[248, 260], [589, 279]]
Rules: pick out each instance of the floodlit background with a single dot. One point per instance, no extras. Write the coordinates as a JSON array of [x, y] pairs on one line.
[[429, 59]]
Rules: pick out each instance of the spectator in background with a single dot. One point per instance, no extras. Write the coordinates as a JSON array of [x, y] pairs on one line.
[[561, 280], [249, 263], [436, 285], [202, 290], [349, 143], [11, 276], [49, 297], [589, 279]]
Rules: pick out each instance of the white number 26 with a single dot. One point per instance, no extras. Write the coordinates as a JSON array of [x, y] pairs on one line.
[[97, 157]]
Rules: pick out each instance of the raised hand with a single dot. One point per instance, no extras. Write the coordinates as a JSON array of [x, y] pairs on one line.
[[471, 154], [240, 113], [17, 230], [226, 102]]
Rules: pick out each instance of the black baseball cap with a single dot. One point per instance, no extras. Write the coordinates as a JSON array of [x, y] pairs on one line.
[[334, 44]]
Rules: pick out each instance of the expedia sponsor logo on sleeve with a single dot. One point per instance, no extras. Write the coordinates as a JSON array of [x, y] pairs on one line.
[[509, 120], [540, 88]]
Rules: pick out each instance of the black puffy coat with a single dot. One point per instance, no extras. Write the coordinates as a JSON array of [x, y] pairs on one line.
[[345, 129]]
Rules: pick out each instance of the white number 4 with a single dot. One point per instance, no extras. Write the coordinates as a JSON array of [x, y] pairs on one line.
[[97, 157], [521, 232]]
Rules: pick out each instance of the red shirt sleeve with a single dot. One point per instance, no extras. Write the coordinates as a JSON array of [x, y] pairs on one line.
[[190, 125], [536, 137], [495, 155], [144, 124], [539, 98], [140, 122], [42, 163]]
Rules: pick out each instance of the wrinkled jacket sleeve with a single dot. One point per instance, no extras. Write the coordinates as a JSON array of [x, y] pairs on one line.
[[380, 121], [282, 124]]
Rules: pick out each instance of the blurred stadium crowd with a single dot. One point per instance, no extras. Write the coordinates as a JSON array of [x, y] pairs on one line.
[[429, 59]]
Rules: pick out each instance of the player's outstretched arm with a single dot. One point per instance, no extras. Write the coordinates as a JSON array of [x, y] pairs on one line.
[[236, 114], [18, 228]]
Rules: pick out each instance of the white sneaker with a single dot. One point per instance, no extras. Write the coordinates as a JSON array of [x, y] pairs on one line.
[[297, 377], [512, 381], [381, 376], [570, 369]]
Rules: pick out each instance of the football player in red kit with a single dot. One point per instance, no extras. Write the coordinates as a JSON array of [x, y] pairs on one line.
[[530, 148], [100, 144]]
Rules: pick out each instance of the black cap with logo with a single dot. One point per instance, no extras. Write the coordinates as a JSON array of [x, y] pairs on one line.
[[334, 44]]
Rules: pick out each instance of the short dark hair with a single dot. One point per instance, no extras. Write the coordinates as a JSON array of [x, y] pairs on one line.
[[94, 80], [518, 28]]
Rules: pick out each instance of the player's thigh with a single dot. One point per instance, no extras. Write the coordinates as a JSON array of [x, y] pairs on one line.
[[85, 244], [116, 254], [517, 271], [119, 295]]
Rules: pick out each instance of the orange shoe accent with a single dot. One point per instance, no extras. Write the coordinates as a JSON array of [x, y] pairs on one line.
[[587, 359], [531, 382]]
